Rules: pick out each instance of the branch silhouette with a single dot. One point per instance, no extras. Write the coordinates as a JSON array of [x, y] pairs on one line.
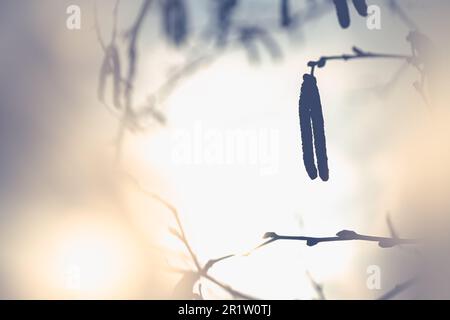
[[200, 271], [316, 286], [344, 235], [399, 288], [111, 65], [132, 36], [357, 54], [246, 36], [343, 12]]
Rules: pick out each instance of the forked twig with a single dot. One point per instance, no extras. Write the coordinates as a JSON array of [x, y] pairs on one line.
[[201, 271]]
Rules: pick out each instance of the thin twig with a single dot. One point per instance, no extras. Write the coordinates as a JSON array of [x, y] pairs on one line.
[[312, 12], [317, 287], [212, 262], [394, 234], [173, 210], [391, 228], [107, 49], [97, 28], [132, 60], [132, 35], [115, 19], [344, 235], [398, 289], [201, 271], [387, 87], [357, 54], [230, 290]]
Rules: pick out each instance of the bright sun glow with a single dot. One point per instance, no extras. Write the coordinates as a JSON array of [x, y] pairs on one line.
[[92, 262], [227, 208], [86, 257]]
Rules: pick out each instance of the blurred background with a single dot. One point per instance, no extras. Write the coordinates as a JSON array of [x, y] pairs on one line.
[[203, 118]]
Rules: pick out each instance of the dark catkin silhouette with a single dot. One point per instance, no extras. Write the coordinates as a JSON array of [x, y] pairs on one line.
[[225, 9], [306, 128], [318, 130], [343, 13], [252, 36], [312, 129], [361, 7], [175, 21], [285, 14]]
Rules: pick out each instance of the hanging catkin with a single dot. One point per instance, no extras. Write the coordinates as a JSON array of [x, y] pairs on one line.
[[285, 14], [175, 21], [318, 131], [312, 129], [306, 128]]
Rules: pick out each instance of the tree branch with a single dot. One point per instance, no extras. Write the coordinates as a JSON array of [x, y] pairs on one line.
[[200, 271], [317, 286], [398, 289], [132, 58], [357, 54], [344, 235]]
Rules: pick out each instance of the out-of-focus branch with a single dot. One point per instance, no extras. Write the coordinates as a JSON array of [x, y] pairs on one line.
[[317, 287], [398, 10], [111, 62], [133, 117], [188, 68], [311, 12], [398, 289], [132, 36], [391, 228], [201, 271], [97, 28], [234, 293], [394, 234]]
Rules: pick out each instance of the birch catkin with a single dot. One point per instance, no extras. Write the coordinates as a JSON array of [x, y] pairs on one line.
[[285, 13], [312, 129], [306, 127], [318, 130]]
